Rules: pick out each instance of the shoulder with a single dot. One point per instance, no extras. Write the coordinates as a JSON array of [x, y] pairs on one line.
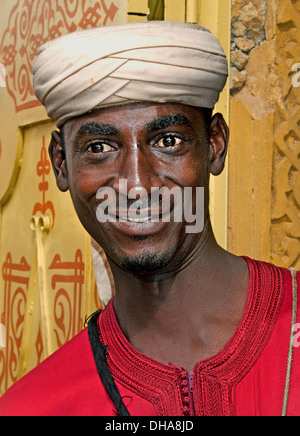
[[287, 329], [278, 282], [53, 387], [286, 339], [262, 389], [269, 273]]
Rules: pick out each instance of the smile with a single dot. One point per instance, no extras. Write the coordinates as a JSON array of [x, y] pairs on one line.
[[184, 206], [135, 220], [146, 215], [142, 224]]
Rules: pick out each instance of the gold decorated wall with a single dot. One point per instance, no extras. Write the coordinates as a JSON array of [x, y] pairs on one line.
[[47, 280], [264, 164]]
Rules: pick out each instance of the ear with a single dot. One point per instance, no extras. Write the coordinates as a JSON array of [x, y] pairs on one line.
[[218, 144], [58, 159]]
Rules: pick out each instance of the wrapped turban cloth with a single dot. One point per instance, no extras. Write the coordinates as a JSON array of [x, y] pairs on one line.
[[155, 61]]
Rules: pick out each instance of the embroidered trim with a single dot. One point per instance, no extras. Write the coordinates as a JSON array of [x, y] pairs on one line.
[[214, 378], [291, 345], [218, 376], [99, 353], [146, 377]]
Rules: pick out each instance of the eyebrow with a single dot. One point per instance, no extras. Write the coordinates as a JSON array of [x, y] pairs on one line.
[[92, 127], [168, 121]]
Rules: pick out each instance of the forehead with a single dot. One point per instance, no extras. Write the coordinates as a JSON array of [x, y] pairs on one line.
[[136, 116]]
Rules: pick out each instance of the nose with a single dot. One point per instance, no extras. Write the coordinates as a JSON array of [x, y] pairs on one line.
[[140, 174]]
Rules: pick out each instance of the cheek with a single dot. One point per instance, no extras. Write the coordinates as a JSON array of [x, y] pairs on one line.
[[83, 189], [84, 182], [193, 172]]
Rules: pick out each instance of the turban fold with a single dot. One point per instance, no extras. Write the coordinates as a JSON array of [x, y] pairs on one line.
[[154, 61]]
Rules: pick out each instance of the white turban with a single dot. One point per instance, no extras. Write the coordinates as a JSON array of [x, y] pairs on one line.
[[155, 61]]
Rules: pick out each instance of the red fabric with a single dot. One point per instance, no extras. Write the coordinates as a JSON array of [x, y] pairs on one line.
[[67, 383], [246, 377]]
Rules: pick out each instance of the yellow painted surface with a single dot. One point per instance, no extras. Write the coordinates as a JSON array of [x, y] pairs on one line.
[[175, 10], [136, 18], [216, 16], [192, 11], [137, 10], [139, 6]]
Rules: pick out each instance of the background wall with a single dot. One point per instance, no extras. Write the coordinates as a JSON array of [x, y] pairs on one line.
[[264, 164]]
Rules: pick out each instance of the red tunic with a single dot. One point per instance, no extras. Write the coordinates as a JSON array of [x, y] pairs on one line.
[[247, 377]]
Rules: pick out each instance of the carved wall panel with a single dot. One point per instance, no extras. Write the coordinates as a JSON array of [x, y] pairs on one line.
[[264, 180], [285, 217]]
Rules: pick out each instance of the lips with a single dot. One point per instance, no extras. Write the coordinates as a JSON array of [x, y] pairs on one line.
[[141, 216], [135, 220], [138, 228]]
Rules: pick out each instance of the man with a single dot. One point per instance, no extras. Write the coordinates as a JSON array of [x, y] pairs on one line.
[[193, 329]]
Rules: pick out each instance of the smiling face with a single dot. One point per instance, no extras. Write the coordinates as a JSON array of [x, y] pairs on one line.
[[148, 146]]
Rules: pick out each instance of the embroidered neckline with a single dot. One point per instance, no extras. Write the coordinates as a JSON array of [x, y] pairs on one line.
[[215, 377]]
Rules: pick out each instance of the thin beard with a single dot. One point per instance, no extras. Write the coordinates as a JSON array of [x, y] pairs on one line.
[[146, 264]]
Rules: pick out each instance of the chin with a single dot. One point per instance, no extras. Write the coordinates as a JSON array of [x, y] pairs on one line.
[[147, 263]]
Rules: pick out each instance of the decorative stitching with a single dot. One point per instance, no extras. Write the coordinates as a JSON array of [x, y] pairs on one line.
[[215, 378]]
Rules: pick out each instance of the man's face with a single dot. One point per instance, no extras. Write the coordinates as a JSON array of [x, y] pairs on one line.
[[149, 146]]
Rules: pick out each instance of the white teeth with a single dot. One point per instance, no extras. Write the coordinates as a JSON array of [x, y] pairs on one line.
[[136, 220]]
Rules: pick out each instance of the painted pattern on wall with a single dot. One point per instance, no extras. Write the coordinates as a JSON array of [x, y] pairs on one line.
[[33, 22]]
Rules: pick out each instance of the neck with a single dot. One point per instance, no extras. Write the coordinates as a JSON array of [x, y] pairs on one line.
[[160, 287], [210, 286]]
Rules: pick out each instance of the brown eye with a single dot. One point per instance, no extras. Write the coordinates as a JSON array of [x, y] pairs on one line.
[[168, 141], [99, 147]]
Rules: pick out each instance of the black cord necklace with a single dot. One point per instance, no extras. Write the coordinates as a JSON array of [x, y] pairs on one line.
[[100, 351]]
